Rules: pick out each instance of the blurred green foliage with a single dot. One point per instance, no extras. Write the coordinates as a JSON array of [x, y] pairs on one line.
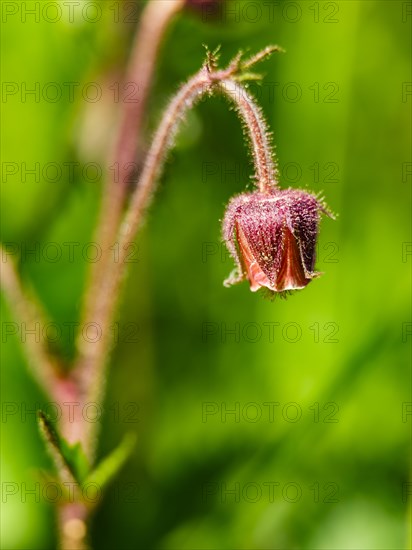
[[337, 103]]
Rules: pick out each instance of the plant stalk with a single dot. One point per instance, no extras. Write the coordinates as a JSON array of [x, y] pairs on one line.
[[127, 155], [90, 369]]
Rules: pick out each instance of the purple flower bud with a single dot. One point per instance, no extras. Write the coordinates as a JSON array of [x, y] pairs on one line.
[[272, 238], [209, 9]]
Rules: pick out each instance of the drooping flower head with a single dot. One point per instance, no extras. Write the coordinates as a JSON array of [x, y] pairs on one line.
[[272, 238]]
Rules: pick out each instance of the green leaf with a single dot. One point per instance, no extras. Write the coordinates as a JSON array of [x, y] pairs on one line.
[[260, 56], [76, 460], [247, 76], [68, 458], [109, 466]]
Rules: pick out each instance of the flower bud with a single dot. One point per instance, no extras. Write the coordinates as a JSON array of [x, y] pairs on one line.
[[272, 238], [209, 9]]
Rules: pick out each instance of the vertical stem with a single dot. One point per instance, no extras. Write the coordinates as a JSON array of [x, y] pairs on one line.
[[45, 368], [73, 520], [155, 20]]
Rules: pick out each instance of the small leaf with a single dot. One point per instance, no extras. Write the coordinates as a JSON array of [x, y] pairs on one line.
[[76, 459], [52, 440], [260, 56], [109, 466], [67, 458], [212, 58], [247, 76]]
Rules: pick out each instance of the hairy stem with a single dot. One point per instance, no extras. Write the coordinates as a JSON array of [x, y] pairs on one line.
[[89, 371], [155, 19], [266, 172], [44, 367], [154, 22]]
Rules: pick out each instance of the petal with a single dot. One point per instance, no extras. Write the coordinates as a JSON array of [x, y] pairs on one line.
[[256, 276], [291, 274], [303, 220], [229, 237], [262, 226]]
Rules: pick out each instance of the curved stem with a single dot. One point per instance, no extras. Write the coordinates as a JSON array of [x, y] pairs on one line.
[[256, 129], [90, 371]]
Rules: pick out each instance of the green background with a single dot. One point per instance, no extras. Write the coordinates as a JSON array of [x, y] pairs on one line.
[[339, 349]]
